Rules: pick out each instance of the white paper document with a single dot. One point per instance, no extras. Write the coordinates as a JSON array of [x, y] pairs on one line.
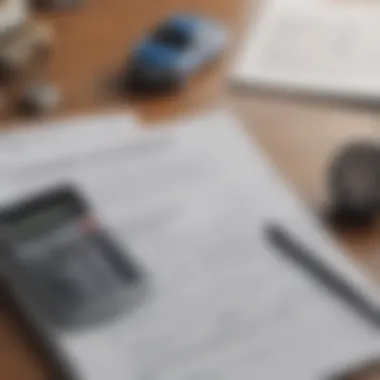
[[192, 201], [66, 139], [323, 47]]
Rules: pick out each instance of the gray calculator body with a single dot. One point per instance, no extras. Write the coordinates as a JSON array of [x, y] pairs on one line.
[[63, 270]]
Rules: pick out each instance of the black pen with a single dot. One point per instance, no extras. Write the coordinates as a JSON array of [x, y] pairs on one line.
[[302, 256]]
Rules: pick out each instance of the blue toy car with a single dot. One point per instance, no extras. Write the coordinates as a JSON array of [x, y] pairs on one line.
[[169, 55]]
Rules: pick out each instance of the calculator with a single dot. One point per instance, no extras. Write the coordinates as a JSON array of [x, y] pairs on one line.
[[62, 266]]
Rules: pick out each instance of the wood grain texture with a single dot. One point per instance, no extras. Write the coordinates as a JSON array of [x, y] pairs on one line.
[[300, 137]]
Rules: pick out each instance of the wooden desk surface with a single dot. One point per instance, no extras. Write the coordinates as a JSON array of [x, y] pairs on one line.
[[300, 137]]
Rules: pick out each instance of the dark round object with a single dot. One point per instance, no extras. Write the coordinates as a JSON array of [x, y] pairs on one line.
[[149, 81], [354, 185], [39, 98]]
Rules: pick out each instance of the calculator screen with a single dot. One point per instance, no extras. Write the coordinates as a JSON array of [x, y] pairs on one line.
[[33, 225], [42, 216]]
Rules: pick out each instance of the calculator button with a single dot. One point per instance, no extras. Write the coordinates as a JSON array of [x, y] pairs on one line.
[[66, 290], [99, 263], [122, 269], [71, 280]]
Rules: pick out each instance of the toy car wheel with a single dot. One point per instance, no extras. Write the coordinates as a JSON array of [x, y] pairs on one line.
[[146, 81]]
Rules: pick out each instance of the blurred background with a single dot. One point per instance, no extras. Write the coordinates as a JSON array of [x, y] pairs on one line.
[[77, 57]]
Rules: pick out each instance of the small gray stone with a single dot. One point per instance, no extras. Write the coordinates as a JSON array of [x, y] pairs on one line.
[[40, 98]]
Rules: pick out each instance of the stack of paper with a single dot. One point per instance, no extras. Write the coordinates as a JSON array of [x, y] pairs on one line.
[[191, 201], [323, 47]]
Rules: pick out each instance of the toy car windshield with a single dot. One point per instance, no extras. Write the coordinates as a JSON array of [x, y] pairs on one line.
[[172, 36]]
